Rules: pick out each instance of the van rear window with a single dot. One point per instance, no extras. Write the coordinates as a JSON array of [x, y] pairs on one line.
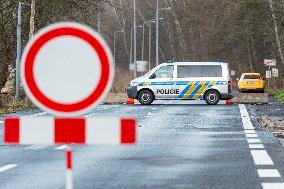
[[184, 71]]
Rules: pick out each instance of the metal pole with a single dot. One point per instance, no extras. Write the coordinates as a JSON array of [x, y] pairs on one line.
[[32, 27], [69, 167], [114, 47], [32, 19], [134, 39], [114, 43], [99, 17], [143, 37], [19, 47], [268, 79], [131, 47], [157, 34], [150, 44]]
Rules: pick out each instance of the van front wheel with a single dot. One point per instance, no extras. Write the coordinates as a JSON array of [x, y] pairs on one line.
[[146, 97], [212, 97]]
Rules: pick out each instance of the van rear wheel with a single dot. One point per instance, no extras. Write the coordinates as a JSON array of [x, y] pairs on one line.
[[146, 97], [212, 97]]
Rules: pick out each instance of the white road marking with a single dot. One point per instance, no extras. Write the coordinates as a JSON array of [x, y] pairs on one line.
[[261, 157], [253, 140], [154, 108], [61, 147], [35, 147], [256, 146], [89, 115], [251, 135], [272, 185], [249, 131], [39, 114], [245, 117], [268, 173], [148, 114], [7, 167]]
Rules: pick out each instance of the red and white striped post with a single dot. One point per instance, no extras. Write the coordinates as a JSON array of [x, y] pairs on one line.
[[69, 167]]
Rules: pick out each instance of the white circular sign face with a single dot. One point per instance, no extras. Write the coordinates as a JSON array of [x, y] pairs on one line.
[[67, 69]]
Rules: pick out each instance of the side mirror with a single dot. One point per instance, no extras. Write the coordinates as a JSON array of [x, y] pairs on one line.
[[153, 76]]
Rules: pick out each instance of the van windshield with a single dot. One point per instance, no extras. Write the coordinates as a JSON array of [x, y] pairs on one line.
[[149, 72]]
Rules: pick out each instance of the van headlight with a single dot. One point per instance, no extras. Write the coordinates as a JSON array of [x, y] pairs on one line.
[[133, 84]]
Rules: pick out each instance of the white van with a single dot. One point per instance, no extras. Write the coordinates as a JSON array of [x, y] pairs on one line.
[[183, 81]]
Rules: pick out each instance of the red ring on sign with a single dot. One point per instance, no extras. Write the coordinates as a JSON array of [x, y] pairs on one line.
[[30, 61]]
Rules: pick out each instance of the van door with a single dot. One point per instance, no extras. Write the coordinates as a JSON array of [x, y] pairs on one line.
[[162, 82], [194, 80], [184, 83]]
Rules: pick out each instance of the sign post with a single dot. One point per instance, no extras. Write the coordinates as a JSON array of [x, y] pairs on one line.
[[67, 70], [233, 73], [269, 63], [274, 75]]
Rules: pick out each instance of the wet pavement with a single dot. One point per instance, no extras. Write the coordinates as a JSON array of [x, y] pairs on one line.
[[272, 109], [178, 146]]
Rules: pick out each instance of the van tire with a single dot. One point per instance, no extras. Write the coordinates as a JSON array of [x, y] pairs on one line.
[[146, 97], [212, 97]]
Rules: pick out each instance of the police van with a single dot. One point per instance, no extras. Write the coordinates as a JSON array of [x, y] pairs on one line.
[[183, 81]]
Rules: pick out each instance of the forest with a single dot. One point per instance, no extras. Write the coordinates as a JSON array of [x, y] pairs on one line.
[[240, 32]]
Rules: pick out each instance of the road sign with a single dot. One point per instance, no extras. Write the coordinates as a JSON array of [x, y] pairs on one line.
[[274, 72], [268, 74], [233, 72], [269, 62], [67, 69]]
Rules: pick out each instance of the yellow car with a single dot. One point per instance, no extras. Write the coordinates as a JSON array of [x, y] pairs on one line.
[[251, 82]]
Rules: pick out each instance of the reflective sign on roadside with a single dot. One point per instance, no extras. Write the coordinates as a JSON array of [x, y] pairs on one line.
[[274, 72], [268, 74]]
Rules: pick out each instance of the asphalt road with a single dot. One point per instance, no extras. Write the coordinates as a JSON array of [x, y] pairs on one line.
[[178, 146]]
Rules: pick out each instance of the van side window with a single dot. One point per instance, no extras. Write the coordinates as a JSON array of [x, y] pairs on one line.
[[163, 72], [184, 71]]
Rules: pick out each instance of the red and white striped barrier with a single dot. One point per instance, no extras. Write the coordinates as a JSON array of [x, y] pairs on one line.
[[228, 102], [49, 130]]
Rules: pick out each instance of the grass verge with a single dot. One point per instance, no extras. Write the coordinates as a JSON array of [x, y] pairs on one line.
[[279, 95], [15, 106]]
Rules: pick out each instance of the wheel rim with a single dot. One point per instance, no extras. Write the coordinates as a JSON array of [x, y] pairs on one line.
[[145, 97], [212, 97]]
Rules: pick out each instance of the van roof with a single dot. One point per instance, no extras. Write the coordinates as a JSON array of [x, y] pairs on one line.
[[198, 63]]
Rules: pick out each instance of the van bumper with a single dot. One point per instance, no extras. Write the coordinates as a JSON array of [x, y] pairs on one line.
[[132, 92], [226, 96]]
